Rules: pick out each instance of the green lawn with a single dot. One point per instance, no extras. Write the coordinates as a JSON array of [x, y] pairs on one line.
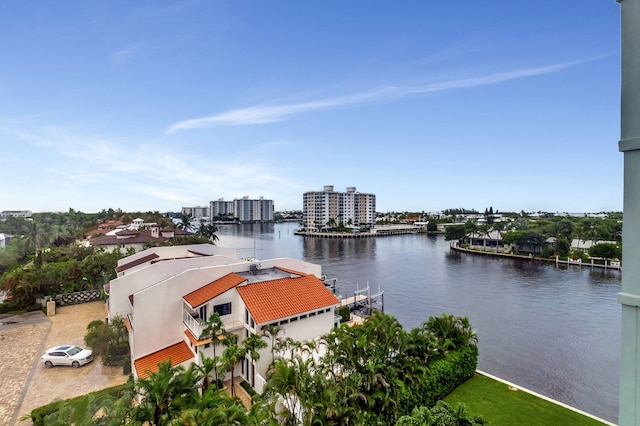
[[500, 405]]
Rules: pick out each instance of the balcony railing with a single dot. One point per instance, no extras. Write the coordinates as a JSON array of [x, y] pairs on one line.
[[194, 324]]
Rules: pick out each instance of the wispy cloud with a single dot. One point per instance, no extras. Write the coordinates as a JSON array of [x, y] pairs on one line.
[[152, 172], [273, 113], [123, 56]]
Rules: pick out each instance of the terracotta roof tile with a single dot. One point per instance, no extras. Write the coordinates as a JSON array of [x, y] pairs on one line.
[[211, 290], [290, 271], [270, 300], [176, 353], [137, 262]]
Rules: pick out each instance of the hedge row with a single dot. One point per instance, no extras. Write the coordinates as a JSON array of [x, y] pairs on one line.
[[443, 377], [38, 415]]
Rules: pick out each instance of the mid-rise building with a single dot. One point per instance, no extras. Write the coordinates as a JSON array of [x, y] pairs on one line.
[[197, 212], [220, 208], [323, 209], [244, 209]]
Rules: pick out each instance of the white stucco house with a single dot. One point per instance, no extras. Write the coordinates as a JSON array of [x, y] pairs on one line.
[[166, 293]]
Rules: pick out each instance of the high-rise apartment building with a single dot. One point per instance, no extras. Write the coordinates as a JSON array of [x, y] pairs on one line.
[[245, 209], [220, 208], [351, 208], [197, 212]]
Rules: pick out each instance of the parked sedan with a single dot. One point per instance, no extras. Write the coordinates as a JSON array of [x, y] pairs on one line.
[[67, 355]]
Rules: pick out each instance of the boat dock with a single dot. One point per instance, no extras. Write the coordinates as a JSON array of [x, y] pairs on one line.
[[363, 301]]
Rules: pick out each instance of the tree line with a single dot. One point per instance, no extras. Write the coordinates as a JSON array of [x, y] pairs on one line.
[[375, 373], [521, 231], [44, 257]]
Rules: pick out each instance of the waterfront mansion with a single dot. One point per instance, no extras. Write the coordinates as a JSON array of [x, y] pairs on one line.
[[164, 294]]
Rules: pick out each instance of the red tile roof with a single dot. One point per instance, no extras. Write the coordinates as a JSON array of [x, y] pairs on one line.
[[211, 290], [137, 262], [289, 271], [270, 300], [176, 353], [110, 240]]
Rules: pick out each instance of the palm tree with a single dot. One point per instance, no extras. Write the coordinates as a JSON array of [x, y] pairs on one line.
[[272, 331], [207, 365], [208, 230], [213, 328], [499, 227], [232, 355], [484, 229], [251, 346], [213, 408], [451, 331], [290, 384], [470, 228], [36, 235], [185, 222], [158, 391]]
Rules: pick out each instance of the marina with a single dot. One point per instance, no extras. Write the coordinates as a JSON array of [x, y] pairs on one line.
[[377, 231]]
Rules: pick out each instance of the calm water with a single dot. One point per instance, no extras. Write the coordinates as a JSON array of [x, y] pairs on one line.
[[553, 330]]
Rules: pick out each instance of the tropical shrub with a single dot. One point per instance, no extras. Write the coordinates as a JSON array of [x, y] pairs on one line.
[[345, 313], [109, 341], [441, 414], [371, 373], [48, 413]]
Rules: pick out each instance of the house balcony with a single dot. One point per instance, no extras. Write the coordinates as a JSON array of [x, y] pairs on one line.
[[195, 324]]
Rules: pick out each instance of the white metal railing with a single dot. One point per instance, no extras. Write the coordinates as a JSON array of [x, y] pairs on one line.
[[196, 326], [192, 323]]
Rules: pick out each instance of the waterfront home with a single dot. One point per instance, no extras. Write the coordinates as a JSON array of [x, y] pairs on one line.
[[165, 295], [584, 245], [493, 240], [125, 239]]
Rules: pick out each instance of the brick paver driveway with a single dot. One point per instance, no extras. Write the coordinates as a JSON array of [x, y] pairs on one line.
[[26, 383]]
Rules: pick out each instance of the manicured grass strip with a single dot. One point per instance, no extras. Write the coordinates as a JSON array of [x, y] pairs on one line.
[[500, 405]]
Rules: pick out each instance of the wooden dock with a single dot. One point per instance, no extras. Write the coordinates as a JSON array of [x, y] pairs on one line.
[[353, 300]]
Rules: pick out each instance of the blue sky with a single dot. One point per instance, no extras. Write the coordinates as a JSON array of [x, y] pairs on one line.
[[427, 104]]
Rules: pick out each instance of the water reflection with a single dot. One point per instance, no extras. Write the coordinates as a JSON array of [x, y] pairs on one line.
[[555, 330]]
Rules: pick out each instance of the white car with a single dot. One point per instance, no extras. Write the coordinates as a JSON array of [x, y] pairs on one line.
[[67, 355]]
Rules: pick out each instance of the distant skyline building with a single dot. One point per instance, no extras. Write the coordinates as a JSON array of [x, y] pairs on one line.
[[351, 208], [197, 212], [15, 213], [245, 209]]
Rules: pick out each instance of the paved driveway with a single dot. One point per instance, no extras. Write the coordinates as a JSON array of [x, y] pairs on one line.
[[26, 383]]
